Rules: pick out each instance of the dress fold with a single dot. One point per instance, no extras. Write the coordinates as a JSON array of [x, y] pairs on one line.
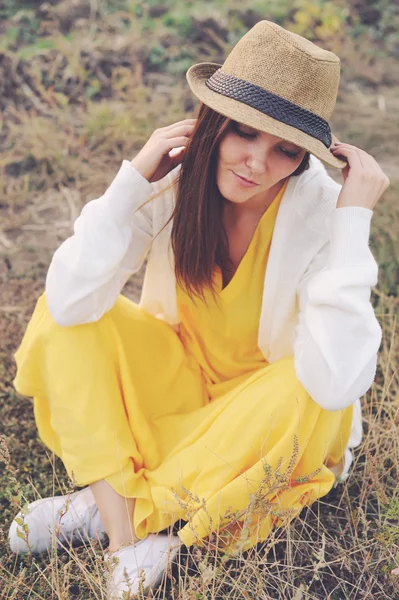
[[194, 424]]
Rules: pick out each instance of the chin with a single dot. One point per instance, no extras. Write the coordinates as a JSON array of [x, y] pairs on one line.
[[236, 193], [236, 200], [234, 196]]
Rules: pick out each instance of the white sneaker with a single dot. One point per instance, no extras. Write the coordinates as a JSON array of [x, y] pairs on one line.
[[140, 564], [45, 519]]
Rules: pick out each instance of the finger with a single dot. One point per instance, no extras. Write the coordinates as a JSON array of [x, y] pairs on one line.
[[184, 123], [360, 153], [176, 151], [368, 161], [370, 166], [351, 155], [181, 130], [176, 142]]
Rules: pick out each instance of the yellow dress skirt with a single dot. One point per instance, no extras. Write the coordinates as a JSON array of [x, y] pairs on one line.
[[195, 425]]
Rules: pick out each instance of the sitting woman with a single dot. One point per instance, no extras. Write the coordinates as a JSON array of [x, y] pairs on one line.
[[254, 339]]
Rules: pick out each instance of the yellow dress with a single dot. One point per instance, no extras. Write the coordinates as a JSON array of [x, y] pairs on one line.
[[195, 425]]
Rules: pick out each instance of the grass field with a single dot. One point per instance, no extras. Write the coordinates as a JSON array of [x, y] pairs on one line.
[[83, 85]]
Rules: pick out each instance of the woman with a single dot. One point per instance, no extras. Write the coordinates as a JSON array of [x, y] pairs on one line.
[[254, 337]]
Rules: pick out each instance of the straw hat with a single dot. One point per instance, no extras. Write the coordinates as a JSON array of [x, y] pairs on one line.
[[278, 82]]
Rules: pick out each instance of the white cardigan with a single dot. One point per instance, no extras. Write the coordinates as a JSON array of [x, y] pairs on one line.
[[316, 300]]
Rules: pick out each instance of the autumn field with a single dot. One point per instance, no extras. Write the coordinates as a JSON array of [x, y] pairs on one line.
[[82, 86]]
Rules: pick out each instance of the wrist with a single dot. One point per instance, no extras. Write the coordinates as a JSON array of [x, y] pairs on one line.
[[136, 165]]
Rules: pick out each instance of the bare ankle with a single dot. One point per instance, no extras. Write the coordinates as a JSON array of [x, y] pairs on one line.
[[116, 513]]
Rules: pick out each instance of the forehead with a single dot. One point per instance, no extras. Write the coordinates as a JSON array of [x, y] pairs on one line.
[[262, 133]]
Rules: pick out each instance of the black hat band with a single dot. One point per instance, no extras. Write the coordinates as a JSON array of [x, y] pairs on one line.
[[270, 104]]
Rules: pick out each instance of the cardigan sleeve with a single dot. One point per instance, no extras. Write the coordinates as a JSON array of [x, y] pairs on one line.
[[337, 337], [110, 242]]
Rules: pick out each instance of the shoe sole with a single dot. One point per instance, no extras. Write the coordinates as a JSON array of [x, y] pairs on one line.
[[172, 556]]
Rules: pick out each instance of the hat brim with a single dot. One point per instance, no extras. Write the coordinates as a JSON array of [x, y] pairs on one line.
[[243, 113]]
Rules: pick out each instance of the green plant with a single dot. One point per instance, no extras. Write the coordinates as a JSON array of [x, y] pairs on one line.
[[318, 19]]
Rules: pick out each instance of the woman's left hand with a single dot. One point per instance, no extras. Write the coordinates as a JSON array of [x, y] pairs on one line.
[[364, 180]]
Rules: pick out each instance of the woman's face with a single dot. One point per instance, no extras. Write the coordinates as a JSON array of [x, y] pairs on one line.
[[260, 157]]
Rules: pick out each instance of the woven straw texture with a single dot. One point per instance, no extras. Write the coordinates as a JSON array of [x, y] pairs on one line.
[[291, 70]]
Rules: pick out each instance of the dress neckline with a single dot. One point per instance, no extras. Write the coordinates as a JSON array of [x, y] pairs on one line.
[[229, 291]]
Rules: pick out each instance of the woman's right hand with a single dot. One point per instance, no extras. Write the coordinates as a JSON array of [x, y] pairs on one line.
[[153, 160]]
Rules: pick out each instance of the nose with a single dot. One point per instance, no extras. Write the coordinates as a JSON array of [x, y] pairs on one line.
[[258, 160]]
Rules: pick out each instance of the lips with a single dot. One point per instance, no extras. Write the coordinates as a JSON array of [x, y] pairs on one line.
[[243, 179]]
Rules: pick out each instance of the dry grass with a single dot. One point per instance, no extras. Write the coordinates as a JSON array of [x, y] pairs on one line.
[[72, 111]]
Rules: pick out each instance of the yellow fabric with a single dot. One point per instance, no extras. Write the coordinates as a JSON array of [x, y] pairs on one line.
[[195, 426], [223, 336]]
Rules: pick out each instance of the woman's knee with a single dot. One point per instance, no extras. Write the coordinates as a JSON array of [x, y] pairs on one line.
[[124, 323], [125, 329], [45, 328], [120, 310]]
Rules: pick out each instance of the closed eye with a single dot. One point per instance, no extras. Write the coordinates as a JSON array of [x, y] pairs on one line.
[[252, 136], [292, 155]]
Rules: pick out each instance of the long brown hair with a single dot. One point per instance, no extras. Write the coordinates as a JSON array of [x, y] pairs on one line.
[[198, 237]]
